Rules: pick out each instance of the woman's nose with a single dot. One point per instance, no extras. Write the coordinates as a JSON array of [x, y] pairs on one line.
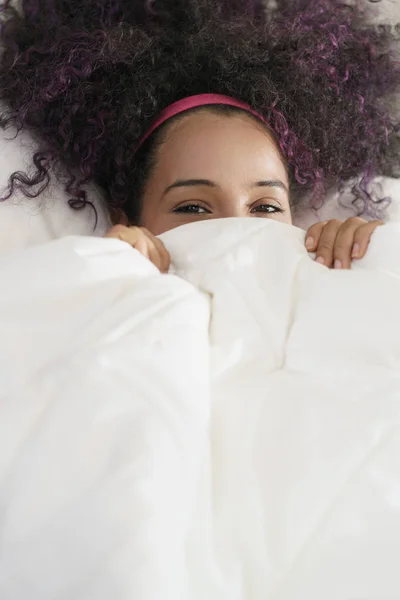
[[233, 207]]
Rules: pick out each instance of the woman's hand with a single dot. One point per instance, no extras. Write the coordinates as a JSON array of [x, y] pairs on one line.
[[145, 242], [337, 243]]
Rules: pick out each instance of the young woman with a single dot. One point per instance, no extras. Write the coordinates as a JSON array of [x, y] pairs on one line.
[[198, 109]]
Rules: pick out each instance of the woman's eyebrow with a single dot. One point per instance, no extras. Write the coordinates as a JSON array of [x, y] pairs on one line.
[[189, 183], [271, 183], [206, 182]]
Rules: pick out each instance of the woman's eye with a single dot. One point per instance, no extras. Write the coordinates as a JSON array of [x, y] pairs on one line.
[[194, 209], [267, 208]]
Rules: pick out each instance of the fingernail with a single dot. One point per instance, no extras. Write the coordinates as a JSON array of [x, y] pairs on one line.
[[320, 260], [356, 250], [310, 243], [337, 264]]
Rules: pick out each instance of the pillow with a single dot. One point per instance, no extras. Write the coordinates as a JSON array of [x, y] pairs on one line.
[[340, 206], [29, 221]]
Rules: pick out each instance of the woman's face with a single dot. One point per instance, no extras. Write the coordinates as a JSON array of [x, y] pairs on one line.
[[212, 166]]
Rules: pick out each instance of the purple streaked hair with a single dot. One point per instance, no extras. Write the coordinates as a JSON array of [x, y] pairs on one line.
[[87, 78]]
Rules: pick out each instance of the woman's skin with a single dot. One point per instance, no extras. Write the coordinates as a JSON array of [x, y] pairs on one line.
[[212, 166]]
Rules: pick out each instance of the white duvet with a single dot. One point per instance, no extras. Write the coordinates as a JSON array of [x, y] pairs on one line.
[[230, 432]]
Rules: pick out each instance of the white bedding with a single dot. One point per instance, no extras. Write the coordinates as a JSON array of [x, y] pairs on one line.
[[230, 432]]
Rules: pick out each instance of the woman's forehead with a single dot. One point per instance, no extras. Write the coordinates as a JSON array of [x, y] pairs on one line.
[[221, 145]]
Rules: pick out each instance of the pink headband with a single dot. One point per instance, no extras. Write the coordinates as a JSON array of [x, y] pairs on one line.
[[195, 102]]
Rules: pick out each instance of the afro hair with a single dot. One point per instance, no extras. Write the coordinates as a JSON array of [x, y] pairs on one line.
[[88, 78]]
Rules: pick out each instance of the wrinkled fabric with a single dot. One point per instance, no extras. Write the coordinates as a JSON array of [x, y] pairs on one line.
[[229, 431]]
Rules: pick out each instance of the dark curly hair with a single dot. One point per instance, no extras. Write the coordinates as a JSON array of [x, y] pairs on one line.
[[88, 77]]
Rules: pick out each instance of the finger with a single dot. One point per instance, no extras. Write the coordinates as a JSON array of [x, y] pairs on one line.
[[344, 243], [118, 232], [157, 252], [313, 236], [155, 255], [165, 256], [362, 238], [324, 251], [140, 240], [131, 235], [141, 243], [163, 259]]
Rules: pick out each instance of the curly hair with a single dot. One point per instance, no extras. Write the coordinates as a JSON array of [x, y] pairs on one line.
[[88, 78]]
